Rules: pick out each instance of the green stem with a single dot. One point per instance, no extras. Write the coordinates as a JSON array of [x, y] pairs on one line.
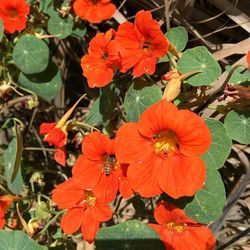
[[51, 222]]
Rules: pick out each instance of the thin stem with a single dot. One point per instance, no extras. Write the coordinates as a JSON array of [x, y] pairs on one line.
[[39, 149], [51, 222]]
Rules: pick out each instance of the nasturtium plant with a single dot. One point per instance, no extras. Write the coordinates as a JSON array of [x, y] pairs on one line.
[[46, 85], [131, 234], [221, 145], [31, 55], [178, 36], [117, 128], [240, 75], [140, 95], [13, 166], [17, 240], [207, 205], [237, 124], [199, 58], [60, 27]]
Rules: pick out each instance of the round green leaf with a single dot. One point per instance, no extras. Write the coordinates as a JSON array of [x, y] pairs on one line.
[[49, 6], [240, 75], [61, 27], [199, 58], [31, 55], [79, 31], [17, 240], [208, 203], [140, 96], [12, 166], [1, 30], [238, 126], [129, 235], [46, 84], [221, 145], [178, 36]]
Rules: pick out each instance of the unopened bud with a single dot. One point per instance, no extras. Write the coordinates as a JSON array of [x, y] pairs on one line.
[[174, 73], [172, 89]]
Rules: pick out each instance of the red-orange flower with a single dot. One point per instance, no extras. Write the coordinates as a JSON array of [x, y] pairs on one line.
[[94, 11], [163, 151], [142, 44], [84, 209], [178, 231], [98, 167], [99, 65], [14, 15], [5, 202], [56, 134]]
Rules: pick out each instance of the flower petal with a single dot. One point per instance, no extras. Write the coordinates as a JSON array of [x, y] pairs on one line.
[[182, 176], [60, 156], [194, 137], [86, 172], [72, 220], [45, 128], [143, 176], [94, 146], [106, 189], [67, 194], [101, 212], [158, 118], [166, 212], [130, 146], [89, 226]]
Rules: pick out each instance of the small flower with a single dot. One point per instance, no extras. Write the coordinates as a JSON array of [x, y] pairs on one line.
[[178, 231], [5, 201], [142, 43], [84, 209], [14, 15], [98, 66], [163, 150], [98, 167], [56, 134], [94, 11]]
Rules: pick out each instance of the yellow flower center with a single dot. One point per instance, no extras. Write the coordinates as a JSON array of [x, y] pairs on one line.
[[90, 198], [177, 227], [165, 143]]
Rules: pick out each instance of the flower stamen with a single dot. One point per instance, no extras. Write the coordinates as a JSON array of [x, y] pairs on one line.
[[177, 227], [165, 143]]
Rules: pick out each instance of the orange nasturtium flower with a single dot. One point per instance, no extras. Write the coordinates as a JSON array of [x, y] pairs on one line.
[[94, 11], [142, 44], [85, 210], [56, 134], [163, 151], [178, 231], [98, 167], [5, 201], [98, 66], [14, 15]]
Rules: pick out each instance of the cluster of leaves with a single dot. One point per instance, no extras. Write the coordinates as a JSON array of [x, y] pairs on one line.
[[28, 66]]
